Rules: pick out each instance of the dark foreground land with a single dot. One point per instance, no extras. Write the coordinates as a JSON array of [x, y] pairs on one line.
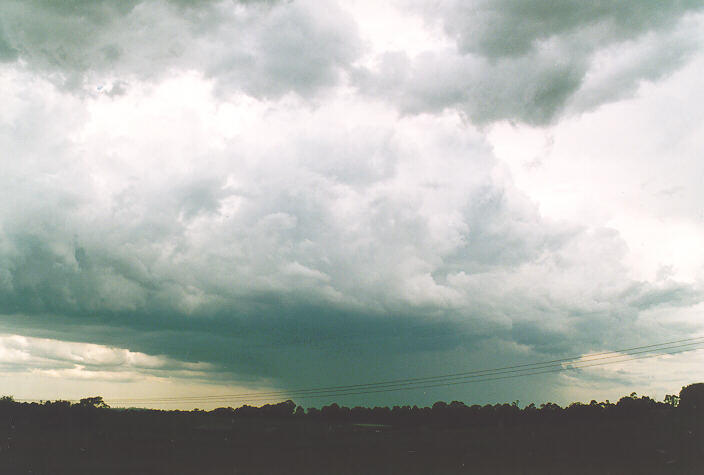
[[634, 436]]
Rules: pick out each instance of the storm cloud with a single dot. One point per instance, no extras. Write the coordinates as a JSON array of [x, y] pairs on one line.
[[251, 193]]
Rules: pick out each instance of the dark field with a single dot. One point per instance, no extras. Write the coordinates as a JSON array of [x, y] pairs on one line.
[[634, 436]]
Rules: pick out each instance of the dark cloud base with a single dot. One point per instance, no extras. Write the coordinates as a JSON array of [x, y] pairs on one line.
[[307, 284]]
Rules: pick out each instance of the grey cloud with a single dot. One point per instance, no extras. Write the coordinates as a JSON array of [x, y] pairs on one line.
[[503, 28], [531, 61], [244, 314], [263, 48], [670, 294], [504, 228], [529, 88], [294, 335], [650, 59], [7, 52], [269, 264], [300, 47]]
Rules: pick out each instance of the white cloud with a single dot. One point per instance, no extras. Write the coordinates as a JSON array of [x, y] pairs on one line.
[[57, 358], [630, 165], [223, 196]]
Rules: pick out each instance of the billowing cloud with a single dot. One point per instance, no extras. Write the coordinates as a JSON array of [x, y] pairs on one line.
[[530, 61], [262, 48], [305, 255], [504, 28], [236, 189]]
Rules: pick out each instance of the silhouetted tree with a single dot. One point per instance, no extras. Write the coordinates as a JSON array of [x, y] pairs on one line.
[[7, 401], [692, 397], [672, 400], [637, 435], [282, 409], [223, 411], [93, 402]]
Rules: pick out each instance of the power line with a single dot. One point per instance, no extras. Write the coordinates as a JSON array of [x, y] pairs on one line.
[[427, 386], [485, 372], [506, 372], [553, 370]]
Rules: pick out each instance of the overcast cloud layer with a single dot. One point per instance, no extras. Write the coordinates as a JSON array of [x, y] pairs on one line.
[[286, 194]]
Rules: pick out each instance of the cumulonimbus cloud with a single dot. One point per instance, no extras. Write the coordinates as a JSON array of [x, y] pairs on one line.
[[189, 189], [295, 250]]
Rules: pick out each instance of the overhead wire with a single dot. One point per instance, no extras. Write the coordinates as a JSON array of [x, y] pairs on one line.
[[483, 378], [506, 372], [527, 366]]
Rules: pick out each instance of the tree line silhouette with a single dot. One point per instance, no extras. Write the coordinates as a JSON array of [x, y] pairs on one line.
[[636, 434]]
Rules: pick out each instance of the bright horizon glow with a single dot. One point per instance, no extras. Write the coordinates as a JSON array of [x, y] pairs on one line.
[[224, 197]]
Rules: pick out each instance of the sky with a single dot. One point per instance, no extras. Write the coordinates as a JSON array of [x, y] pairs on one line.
[[208, 197]]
